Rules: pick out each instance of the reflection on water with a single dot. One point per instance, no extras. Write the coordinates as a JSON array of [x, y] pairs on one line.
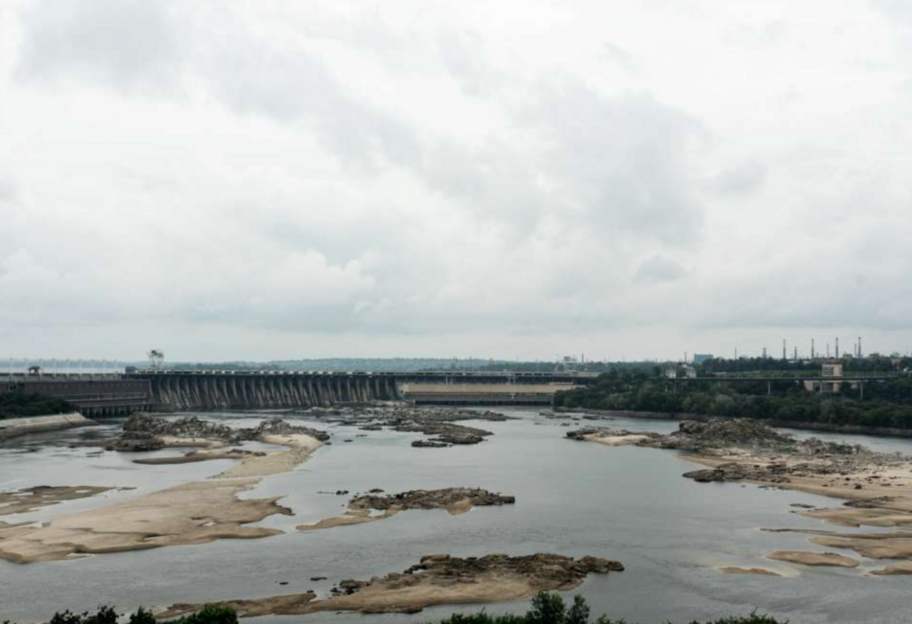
[[573, 498]]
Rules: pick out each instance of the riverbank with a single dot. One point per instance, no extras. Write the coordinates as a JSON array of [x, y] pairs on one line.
[[15, 427], [887, 432], [876, 487]]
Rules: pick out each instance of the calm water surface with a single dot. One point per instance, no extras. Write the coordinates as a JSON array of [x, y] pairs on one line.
[[573, 498]]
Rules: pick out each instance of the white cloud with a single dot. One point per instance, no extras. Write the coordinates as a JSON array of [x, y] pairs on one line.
[[414, 177]]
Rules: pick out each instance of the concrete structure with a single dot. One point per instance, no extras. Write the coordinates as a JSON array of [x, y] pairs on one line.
[[207, 390], [831, 381], [93, 396]]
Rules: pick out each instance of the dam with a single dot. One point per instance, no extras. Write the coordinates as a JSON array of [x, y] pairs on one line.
[[176, 390]]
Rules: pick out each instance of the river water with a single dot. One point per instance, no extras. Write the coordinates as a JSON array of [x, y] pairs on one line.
[[573, 498]]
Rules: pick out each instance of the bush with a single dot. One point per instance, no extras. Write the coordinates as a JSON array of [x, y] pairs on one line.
[[18, 404], [210, 614], [547, 608], [550, 608]]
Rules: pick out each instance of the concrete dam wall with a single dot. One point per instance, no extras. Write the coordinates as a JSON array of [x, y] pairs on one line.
[[175, 390], [214, 390]]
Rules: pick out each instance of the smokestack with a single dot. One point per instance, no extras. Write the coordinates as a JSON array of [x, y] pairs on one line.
[[837, 347], [859, 347], [764, 353], [813, 353], [795, 356], [784, 350], [828, 349]]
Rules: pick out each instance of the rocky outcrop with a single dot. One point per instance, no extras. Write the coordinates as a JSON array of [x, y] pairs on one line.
[[135, 441], [144, 432], [454, 500], [437, 422], [431, 499], [724, 435], [435, 580]]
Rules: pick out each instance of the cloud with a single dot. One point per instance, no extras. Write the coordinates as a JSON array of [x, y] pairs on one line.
[[124, 44], [621, 161], [743, 178], [660, 269], [620, 57], [411, 175]]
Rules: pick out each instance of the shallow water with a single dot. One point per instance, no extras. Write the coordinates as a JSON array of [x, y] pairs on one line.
[[573, 498]]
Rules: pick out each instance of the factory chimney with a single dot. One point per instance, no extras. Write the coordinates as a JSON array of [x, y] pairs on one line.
[[813, 353], [784, 350]]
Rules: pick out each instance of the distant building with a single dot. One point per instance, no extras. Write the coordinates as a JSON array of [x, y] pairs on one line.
[[831, 383], [699, 358], [677, 372]]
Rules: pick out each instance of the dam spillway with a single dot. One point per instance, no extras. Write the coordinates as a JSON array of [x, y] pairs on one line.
[[175, 390], [214, 390]]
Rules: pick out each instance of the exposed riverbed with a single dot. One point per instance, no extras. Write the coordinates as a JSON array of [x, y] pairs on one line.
[[628, 504]]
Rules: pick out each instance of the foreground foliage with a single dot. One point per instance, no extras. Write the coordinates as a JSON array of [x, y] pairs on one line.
[[551, 609], [18, 404], [210, 614], [546, 609]]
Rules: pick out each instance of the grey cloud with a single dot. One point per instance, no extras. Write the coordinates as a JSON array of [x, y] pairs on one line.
[[620, 57], [464, 57], [252, 78], [740, 179], [9, 191], [624, 159], [660, 269], [125, 44]]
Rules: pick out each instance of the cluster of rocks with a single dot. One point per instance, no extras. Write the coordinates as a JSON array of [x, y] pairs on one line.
[[446, 434], [723, 434], [144, 432], [439, 423], [542, 572], [779, 457], [430, 499]]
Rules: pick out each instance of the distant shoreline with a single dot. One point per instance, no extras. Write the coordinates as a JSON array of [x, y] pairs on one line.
[[886, 432]]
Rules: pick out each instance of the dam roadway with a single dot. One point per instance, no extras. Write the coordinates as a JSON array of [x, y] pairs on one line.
[[179, 390]]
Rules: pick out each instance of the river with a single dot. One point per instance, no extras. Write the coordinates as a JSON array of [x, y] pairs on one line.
[[630, 504]]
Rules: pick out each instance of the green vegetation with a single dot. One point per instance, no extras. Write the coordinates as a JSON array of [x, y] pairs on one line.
[[885, 403], [210, 614], [17, 404], [551, 609], [546, 609]]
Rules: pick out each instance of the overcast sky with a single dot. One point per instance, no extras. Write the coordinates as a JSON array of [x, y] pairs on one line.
[[633, 178]]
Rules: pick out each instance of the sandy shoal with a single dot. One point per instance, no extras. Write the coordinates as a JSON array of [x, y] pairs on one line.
[[192, 513], [413, 595]]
